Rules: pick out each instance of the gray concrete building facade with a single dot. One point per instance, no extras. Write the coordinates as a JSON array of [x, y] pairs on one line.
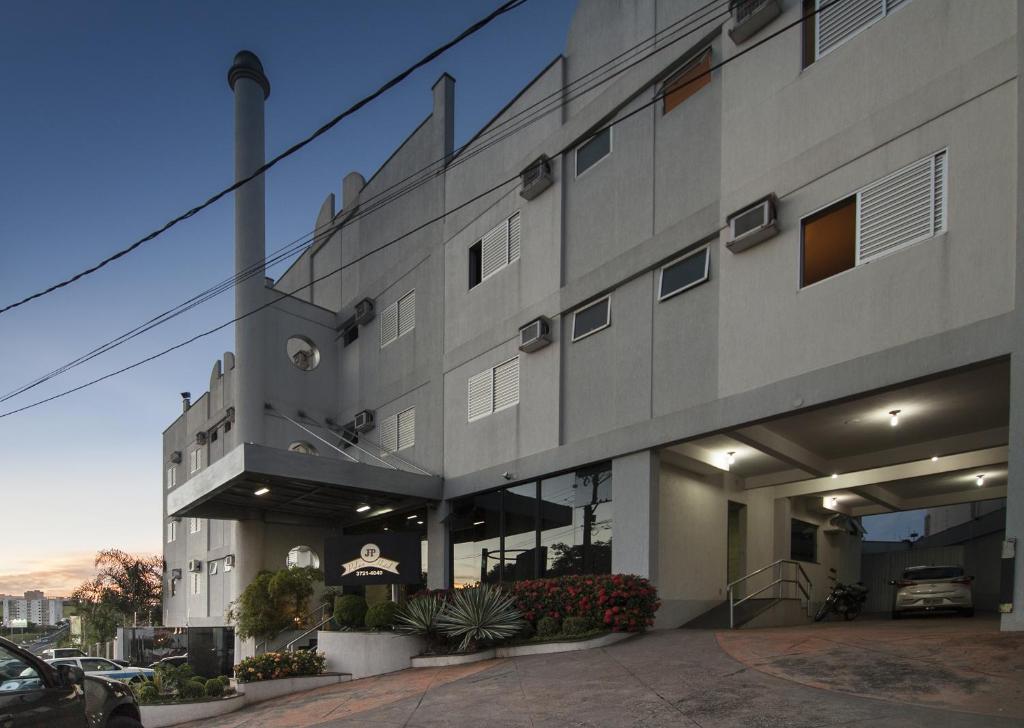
[[735, 292]]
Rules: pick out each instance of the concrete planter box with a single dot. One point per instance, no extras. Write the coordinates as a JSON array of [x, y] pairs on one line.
[[157, 716], [257, 692], [362, 654], [548, 648], [447, 660]]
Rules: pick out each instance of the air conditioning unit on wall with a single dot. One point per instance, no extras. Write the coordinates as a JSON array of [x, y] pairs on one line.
[[195, 566], [535, 335], [364, 312], [363, 421], [536, 178], [752, 225]]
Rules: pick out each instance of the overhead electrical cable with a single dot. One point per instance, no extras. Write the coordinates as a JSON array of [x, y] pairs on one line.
[[617, 119], [475, 27]]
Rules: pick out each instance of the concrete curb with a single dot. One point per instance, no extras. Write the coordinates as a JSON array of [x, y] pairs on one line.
[[448, 660], [549, 648]]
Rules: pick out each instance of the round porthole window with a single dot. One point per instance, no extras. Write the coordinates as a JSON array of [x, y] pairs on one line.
[[302, 556], [303, 353], [303, 447]]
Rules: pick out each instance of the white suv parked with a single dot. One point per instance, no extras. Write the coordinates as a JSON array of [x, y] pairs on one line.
[[933, 588]]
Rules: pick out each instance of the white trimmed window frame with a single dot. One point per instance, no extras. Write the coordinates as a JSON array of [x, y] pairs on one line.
[[402, 327], [490, 374], [886, 8], [195, 460], [576, 151], [939, 224], [196, 582], [195, 525], [607, 321], [172, 531], [511, 256], [391, 430], [172, 477], [706, 252]]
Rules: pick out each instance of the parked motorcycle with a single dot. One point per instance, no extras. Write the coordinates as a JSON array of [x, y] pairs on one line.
[[844, 599]]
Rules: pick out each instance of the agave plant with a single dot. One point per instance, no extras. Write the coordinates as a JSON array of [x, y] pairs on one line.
[[418, 616], [479, 614]]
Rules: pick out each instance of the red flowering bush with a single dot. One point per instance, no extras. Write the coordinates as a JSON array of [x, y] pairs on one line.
[[619, 602], [274, 665]]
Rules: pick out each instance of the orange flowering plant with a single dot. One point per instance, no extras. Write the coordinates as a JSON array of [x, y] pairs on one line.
[[274, 665]]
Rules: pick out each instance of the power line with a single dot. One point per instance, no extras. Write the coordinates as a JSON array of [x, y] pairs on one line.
[[298, 245], [501, 10], [658, 97]]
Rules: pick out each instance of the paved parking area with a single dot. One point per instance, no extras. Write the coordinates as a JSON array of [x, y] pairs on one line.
[[670, 678]]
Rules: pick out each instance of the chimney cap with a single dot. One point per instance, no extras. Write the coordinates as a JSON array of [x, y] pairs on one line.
[[247, 65]]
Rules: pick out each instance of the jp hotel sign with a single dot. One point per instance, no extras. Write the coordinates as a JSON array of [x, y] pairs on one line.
[[372, 558]]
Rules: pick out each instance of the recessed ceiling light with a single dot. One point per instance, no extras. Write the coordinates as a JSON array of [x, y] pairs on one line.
[[362, 508], [835, 475], [980, 479], [382, 511], [731, 457], [935, 458], [894, 418], [261, 491], [409, 518], [419, 523], [478, 523]]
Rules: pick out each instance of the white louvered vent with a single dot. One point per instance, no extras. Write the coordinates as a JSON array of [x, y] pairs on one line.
[[897, 210], [494, 250], [840, 21], [506, 384], [407, 313], [481, 395], [388, 325], [939, 207], [389, 433], [407, 428], [513, 238]]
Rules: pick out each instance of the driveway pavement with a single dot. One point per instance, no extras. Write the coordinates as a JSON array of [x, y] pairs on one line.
[[666, 678]]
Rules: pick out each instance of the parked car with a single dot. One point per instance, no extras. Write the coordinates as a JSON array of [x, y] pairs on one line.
[[55, 652], [172, 661], [106, 668], [931, 589], [35, 693]]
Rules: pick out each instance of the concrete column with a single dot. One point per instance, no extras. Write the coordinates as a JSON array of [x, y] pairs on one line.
[[251, 87], [439, 565], [635, 495], [1015, 482]]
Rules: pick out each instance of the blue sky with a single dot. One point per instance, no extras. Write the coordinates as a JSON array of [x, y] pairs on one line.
[[117, 116]]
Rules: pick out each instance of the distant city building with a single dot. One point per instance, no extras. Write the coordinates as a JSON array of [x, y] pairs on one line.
[[33, 607]]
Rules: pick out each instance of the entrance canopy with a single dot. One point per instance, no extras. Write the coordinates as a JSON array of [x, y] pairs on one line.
[[265, 483]]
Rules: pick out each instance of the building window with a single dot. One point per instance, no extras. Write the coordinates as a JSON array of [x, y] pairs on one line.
[[302, 447], [196, 579], [690, 79], [398, 319], [554, 527], [900, 209], [591, 318], [303, 353], [803, 540], [493, 389], [195, 460], [172, 476], [838, 22], [498, 248], [195, 525], [593, 150], [398, 431], [684, 273], [172, 531]]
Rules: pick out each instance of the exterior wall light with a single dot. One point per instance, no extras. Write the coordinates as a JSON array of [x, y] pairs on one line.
[[895, 418], [935, 458], [834, 476], [980, 479], [262, 491], [362, 508], [731, 457]]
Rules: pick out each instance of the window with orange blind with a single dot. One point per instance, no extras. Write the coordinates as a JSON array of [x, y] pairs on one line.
[[687, 81]]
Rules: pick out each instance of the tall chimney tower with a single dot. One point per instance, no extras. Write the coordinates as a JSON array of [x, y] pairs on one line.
[[251, 86]]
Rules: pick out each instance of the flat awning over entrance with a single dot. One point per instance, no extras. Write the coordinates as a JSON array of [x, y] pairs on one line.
[[297, 488]]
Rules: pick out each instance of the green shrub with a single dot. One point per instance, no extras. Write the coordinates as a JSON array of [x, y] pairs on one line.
[[214, 688], [350, 611], [618, 602], [548, 627], [191, 690], [573, 626], [527, 631], [170, 678], [273, 665], [381, 615], [224, 680], [479, 614], [147, 693]]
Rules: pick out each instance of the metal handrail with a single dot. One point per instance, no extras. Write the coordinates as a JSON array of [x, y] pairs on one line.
[[321, 610], [288, 647], [778, 564]]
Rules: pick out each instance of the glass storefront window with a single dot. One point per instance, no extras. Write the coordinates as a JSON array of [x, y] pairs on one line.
[[561, 525]]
